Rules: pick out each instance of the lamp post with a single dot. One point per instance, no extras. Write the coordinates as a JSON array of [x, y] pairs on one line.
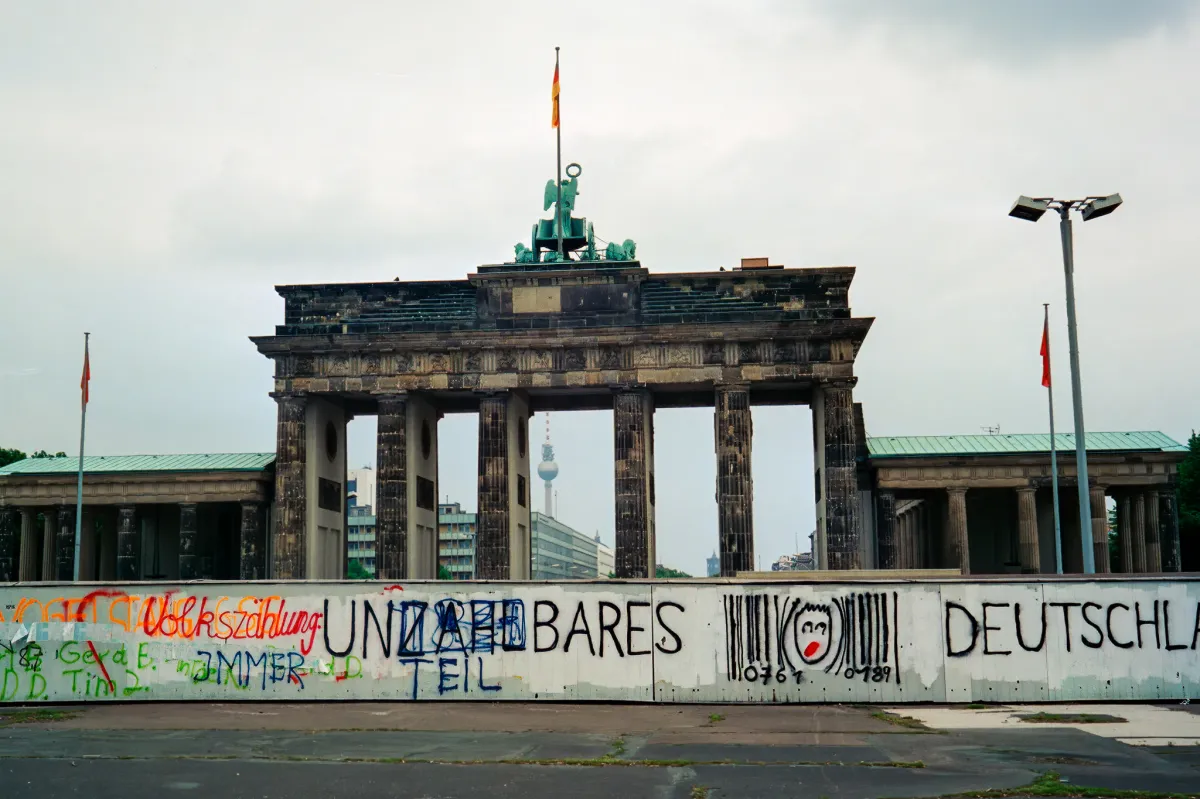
[[1031, 209]]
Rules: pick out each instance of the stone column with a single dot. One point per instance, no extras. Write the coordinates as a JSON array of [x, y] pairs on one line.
[[31, 554], [1138, 524], [958, 552], [892, 548], [1031, 558], [492, 523], [735, 486], [1125, 532], [633, 482], [837, 500], [920, 537], [49, 543], [253, 543], [1154, 563], [899, 533], [391, 490], [129, 566], [1099, 531], [1168, 530], [9, 525], [188, 558], [290, 490], [909, 537], [65, 544], [503, 538]]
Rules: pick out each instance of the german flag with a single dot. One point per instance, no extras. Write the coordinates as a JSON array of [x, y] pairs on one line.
[[554, 98]]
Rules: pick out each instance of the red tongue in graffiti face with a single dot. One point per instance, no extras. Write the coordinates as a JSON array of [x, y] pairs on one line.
[[813, 632]]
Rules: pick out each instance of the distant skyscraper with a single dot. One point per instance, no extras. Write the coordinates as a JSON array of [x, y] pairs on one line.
[[714, 565], [548, 470]]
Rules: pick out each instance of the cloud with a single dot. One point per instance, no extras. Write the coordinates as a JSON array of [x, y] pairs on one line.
[[1025, 33]]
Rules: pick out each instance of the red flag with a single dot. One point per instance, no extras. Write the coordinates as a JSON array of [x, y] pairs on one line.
[[1046, 354], [87, 376], [554, 98]]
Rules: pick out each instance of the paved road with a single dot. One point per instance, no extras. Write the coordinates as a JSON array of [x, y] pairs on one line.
[[518, 751]]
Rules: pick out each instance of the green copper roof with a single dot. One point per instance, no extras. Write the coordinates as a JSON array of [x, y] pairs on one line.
[[920, 446], [100, 464]]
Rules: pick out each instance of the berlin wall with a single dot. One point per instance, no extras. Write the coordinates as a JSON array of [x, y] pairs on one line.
[[715, 641]]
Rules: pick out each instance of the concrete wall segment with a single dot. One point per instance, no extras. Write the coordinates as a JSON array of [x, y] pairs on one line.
[[871, 640]]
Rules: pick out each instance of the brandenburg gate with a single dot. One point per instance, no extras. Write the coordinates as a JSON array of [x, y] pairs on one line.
[[583, 328]]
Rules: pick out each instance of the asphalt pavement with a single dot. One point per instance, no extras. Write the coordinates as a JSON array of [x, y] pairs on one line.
[[370, 750]]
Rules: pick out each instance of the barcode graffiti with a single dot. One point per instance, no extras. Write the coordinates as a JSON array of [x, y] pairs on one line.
[[774, 638]]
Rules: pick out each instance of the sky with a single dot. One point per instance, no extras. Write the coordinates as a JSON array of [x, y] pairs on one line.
[[164, 165]]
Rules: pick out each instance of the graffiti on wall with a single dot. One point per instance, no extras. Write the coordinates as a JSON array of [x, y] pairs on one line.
[[686, 642], [774, 637]]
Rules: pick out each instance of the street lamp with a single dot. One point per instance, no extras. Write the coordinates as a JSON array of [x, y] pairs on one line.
[[1031, 209]]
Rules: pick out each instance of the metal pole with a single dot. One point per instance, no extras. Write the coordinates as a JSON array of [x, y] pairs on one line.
[[1085, 504], [558, 134], [1058, 567], [79, 482]]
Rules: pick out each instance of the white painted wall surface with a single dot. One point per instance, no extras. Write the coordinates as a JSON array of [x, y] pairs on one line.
[[957, 641]]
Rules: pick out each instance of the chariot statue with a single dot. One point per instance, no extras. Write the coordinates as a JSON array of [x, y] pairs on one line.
[[578, 235]]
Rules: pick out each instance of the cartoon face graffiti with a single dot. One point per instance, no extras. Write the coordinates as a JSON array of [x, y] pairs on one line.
[[812, 629]]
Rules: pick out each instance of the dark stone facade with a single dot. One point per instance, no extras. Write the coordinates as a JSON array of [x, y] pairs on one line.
[[253, 542], [391, 490], [840, 475], [492, 523], [633, 483], [9, 535], [187, 542], [735, 487], [575, 336], [290, 491], [64, 561]]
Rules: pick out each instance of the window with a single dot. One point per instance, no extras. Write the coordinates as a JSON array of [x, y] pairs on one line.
[[329, 495], [426, 493]]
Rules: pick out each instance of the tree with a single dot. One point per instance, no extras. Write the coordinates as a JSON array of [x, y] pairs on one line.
[[8, 456], [662, 571], [1189, 500], [444, 573], [355, 570]]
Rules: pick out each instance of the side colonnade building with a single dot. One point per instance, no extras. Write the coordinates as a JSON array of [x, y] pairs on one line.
[[973, 504]]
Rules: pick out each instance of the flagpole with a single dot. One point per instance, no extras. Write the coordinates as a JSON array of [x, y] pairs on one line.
[[1058, 566], [79, 483], [558, 183]]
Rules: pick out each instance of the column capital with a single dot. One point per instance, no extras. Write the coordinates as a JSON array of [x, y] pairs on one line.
[[956, 490], [1025, 489], [391, 402], [839, 383]]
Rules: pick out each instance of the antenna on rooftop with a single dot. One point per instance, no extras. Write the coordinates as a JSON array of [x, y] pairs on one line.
[[991, 431]]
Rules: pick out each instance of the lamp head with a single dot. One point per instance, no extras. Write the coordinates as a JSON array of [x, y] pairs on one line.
[[1028, 208], [1100, 206]]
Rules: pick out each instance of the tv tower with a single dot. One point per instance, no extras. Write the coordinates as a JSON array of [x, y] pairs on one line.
[[548, 469]]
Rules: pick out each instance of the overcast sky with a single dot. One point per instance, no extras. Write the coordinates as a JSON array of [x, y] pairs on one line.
[[164, 165]]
